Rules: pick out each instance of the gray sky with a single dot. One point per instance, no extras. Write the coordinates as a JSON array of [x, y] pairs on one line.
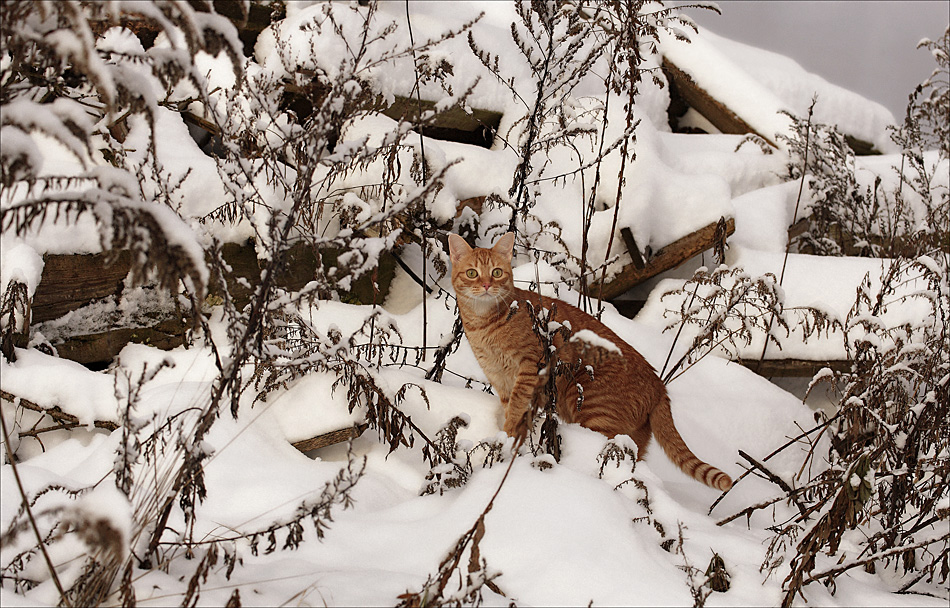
[[868, 47]]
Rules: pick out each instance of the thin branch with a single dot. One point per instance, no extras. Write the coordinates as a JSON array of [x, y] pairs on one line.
[[29, 514]]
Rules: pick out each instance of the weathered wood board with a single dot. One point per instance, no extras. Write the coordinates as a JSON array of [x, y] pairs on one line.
[[65, 421], [668, 257], [72, 281], [686, 93], [797, 368], [102, 347], [723, 118], [331, 438]]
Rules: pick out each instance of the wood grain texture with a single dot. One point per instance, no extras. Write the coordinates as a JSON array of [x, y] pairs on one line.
[[668, 257], [331, 438], [69, 282]]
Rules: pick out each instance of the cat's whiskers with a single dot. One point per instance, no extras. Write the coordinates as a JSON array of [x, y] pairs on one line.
[[484, 302]]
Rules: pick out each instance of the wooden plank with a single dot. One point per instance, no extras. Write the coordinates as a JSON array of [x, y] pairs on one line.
[[714, 110], [299, 268], [785, 368], [69, 421], [69, 282], [632, 248], [455, 124], [861, 147], [683, 89], [331, 438], [55, 412], [102, 347], [798, 228], [666, 258]]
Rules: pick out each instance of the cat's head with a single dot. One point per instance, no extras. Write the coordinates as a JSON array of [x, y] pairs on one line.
[[482, 277]]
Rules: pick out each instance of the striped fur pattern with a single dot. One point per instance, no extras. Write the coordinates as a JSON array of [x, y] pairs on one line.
[[624, 396]]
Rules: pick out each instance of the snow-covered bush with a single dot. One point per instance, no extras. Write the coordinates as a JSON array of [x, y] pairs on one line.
[[731, 309], [559, 45], [876, 499], [885, 219], [932, 110], [74, 72]]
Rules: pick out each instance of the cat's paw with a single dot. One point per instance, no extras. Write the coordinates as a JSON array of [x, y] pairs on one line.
[[517, 427]]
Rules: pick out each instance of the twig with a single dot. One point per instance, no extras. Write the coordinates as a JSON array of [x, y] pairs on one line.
[[773, 453], [774, 479], [29, 513], [55, 412], [678, 332], [788, 240], [875, 557], [749, 510]]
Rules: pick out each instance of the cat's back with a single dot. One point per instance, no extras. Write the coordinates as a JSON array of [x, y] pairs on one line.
[[634, 368]]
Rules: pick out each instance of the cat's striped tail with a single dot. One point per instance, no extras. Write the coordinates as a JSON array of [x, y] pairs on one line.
[[661, 421]]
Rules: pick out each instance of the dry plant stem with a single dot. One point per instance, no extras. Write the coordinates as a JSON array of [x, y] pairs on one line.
[[774, 479], [677, 336], [798, 200], [624, 150], [777, 450], [29, 514], [54, 412], [425, 178], [875, 557], [588, 214], [750, 510]]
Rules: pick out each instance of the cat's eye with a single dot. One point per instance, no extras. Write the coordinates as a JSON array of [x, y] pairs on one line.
[[471, 273], [496, 273]]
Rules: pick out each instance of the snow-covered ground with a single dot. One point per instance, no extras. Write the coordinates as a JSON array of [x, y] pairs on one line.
[[555, 535]]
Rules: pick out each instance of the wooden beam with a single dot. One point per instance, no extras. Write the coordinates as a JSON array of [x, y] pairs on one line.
[[102, 347], [785, 368], [714, 110], [455, 124], [861, 147], [69, 282], [798, 228], [331, 438], [666, 258], [632, 248]]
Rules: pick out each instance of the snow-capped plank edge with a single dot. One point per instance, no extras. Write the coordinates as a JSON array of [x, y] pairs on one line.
[[668, 257], [102, 347], [72, 281], [792, 368], [331, 438], [711, 108], [65, 420]]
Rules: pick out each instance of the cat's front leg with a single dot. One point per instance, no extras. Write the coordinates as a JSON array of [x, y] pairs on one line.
[[518, 406]]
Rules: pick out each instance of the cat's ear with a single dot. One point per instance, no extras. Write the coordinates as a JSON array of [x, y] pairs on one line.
[[457, 247], [505, 245]]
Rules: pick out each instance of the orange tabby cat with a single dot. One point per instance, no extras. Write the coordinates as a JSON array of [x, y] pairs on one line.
[[622, 396]]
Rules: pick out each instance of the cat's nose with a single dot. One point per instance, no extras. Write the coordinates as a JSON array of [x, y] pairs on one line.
[[487, 286]]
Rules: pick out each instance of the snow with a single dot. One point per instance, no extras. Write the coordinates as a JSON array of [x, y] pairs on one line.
[[556, 534], [756, 84], [589, 337], [87, 396], [851, 113], [20, 263]]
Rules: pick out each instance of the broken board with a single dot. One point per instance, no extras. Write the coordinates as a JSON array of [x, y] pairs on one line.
[[670, 256]]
